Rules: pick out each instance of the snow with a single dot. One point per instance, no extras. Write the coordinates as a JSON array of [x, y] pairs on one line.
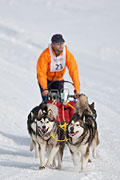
[[91, 30]]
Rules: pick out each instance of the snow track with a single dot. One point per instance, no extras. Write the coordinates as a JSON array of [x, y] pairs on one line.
[[25, 30]]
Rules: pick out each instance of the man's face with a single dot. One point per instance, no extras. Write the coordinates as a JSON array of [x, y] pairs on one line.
[[58, 47]]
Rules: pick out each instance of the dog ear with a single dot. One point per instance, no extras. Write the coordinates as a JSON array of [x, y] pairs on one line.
[[31, 116], [92, 105], [40, 113], [50, 113]]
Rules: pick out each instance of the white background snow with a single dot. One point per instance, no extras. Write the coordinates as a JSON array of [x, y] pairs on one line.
[[91, 29]]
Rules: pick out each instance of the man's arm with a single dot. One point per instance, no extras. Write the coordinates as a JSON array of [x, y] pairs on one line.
[[42, 66], [73, 71]]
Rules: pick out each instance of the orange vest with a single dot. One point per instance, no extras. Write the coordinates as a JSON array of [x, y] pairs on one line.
[[44, 74]]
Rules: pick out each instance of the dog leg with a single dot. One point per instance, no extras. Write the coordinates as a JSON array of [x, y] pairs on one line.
[[52, 155], [37, 150], [94, 144], [42, 156], [48, 152], [59, 157], [84, 161], [79, 154], [54, 163], [75, 159], [94, 152], [32, 146]]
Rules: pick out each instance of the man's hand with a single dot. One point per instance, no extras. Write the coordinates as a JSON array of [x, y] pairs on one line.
[[45, 92], [76, 94]]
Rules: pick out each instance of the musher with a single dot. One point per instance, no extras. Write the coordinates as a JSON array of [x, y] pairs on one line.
[[51, 66]]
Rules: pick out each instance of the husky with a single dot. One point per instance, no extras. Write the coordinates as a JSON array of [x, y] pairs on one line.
[[83, 139], [32, 128], [48, 135], [82, 132], [82, 105]]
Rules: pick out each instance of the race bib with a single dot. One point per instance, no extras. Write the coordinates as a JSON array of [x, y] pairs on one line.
[[57, 63]]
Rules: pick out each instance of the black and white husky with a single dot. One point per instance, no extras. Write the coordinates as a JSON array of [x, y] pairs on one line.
[[46, 134], [82, 133], [32, 128]]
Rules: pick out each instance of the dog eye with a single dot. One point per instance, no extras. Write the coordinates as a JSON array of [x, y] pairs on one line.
[[52, 120], [47, 121], [77, 124]]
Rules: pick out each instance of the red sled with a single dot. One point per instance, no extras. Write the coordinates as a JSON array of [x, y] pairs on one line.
[[65, 111]]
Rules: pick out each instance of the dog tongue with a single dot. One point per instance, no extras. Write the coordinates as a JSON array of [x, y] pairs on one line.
[[72, 134]]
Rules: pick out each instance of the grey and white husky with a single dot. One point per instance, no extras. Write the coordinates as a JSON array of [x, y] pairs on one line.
[[82, 132], [46, 134]]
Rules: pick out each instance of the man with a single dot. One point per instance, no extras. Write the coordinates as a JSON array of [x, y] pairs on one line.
[[52, 64]]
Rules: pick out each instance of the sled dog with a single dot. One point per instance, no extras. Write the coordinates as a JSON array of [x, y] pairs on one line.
[[42, 128], [82, 105], [32, 128], [82, 132]]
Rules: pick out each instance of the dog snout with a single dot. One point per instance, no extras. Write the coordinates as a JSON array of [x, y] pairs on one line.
[[44, 127], [71, 129]]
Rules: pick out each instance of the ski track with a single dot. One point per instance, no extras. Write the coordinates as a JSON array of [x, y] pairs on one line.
[[16, 161]]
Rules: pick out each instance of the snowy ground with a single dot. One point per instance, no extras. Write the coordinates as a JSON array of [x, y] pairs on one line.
[[91, 30]]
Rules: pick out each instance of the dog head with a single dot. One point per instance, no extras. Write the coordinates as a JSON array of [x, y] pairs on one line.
[[45, 122], [41, 118], [76, 126], [32, 117], [82, 105]]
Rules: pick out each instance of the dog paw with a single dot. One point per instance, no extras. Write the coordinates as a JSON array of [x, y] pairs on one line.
[[42, 167], [31, 147], [58, 167], [75, 163], [83, 170], [54, 165]]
